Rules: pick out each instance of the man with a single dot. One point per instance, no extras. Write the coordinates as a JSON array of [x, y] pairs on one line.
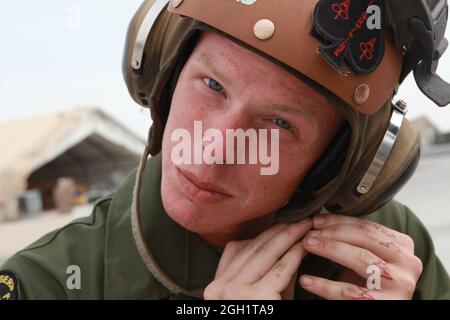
[[196, 228]]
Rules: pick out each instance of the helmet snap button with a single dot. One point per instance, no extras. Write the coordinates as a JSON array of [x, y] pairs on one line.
[[264, 29], [361, 94]]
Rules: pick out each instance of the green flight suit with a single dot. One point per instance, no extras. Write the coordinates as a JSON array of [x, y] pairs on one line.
[[103, 247]]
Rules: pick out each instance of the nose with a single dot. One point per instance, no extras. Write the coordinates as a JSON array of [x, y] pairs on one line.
[[219, 135]]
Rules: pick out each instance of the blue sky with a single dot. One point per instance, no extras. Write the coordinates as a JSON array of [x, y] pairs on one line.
[[49, 62]]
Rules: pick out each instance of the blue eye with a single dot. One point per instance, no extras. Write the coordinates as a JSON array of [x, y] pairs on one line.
[[213, 84], [282, 123]]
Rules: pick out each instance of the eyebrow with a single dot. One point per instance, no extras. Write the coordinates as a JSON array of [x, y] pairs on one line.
[[308, 114], [206, 60]]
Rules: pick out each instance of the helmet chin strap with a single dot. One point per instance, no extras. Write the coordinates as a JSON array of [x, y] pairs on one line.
[[138, 234]]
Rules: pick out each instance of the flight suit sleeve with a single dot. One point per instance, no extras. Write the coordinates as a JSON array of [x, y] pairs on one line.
[[67, 263], [434, 283]]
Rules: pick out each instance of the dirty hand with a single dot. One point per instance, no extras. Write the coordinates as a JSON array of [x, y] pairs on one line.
[[361, 246], [261, 268]]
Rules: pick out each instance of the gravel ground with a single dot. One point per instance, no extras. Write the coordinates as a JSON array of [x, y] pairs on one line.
[[19, 234]]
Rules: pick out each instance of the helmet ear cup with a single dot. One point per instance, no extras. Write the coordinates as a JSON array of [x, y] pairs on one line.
[[165, 37], [131, 75], [398, 168], [159, 35], [327, 166]]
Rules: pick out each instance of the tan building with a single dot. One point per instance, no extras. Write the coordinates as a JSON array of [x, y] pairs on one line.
[[83, 144], [427, 130]]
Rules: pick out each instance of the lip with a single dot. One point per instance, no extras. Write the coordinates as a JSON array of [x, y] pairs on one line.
[[199, 190]]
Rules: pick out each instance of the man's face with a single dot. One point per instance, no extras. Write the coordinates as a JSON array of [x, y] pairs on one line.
[[227, 86]]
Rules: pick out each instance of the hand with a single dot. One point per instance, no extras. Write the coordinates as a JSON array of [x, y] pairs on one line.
[[261, 268], [357, 244]]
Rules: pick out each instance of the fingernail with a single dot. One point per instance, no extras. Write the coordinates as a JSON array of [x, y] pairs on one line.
[[306, 281], [314, 233], [311, 241], [319, 220]]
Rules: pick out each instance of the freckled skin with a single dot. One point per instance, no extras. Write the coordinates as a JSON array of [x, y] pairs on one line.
[[363, 294], [390, 245], [252, 82], [385, 272]]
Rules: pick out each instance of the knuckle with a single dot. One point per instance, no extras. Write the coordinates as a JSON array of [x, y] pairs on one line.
[[366, 224], [409, 242], [299, 249], [294, 229], [295, 254], [321, 287], [289, 231], [211, 291], [331, 231], [279, 267], [417, 266], [229, 291], [299, 228], [353, 292], [225, 294], [233, 247], [274, 230], [409, 286], [339, 231], [264, 247], [364, 229], [280, 227], [307, 223], [365, 257], [327, 245], [249, 246], [349, 292], [328, 218], [373, 230], [369, 230]]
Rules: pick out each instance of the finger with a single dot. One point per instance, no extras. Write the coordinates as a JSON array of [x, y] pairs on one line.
[[326, 220], [357, 259], [237, 260], [369, 239], [231, 251], [333, 290], [267, 254], [289, 292], [280, 275]]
